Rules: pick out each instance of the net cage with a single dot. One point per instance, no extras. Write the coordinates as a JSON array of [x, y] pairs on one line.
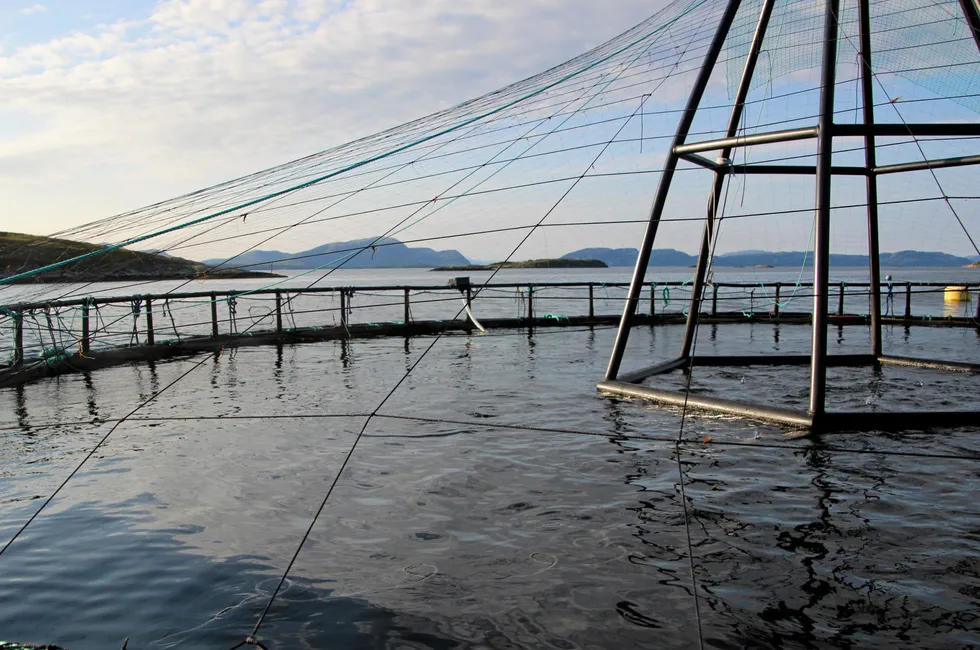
[[879, 95], [732, 117], [877, 144]]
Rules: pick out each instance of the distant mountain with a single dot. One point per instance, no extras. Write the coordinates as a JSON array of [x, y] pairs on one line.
[[386, 253], [920, 258], [671, 257]]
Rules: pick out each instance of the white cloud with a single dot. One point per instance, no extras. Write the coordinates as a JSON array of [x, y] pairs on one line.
[[202, 90], [34, 9]]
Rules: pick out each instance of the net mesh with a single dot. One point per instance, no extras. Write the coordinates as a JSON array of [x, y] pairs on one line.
[[576, 151]]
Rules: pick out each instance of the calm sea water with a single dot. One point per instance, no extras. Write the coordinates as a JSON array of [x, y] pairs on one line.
[[494, 501]]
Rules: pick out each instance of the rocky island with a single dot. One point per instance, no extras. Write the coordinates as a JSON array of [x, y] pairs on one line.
[[20, 253]]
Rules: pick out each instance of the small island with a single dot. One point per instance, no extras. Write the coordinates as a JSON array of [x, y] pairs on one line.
[[974, 265], [562, 263]]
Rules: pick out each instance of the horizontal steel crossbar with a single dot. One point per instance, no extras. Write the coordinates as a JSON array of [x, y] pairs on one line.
[[828, 422], [747, 140]]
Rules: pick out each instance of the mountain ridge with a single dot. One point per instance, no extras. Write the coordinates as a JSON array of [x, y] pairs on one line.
[[371, 252], [673, 257]]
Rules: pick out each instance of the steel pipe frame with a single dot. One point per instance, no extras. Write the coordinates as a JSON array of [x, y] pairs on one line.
[[827, 422], [922, 165], [816, 418], [790, 135], [821, 247], [972, 15], [720, 177], [881, 130], [896, 168], [871, 187], [670, 166]]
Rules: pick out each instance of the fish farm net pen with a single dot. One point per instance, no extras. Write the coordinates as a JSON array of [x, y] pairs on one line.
[[833, 131]]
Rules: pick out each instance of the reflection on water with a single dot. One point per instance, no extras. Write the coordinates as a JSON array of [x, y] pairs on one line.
[[965, 309], [461, 528]]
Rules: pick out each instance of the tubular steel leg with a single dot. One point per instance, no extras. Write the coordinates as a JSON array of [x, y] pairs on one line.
[[670, 165], [821, 264], [214, 315], [694, 313], [278, 312], [972, 15], [84, 344], [408, 307], [18, 338], [149, 321], [872, 181]]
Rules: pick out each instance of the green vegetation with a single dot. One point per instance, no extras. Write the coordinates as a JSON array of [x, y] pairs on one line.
[[530, 264], [20, 253]]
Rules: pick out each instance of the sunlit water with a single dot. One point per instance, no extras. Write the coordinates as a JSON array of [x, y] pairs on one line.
[[461, 521]]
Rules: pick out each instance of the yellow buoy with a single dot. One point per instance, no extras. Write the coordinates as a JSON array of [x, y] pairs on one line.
[[956, 294]]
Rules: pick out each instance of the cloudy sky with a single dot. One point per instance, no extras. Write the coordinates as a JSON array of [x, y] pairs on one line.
[[108, 105]]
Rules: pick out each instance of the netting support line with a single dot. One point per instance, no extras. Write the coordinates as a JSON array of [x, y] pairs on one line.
[[670, 165], [707, 236], [821, 246], [868, 107]]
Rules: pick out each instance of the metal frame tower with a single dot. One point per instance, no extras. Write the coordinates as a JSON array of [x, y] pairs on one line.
[[817, 417]]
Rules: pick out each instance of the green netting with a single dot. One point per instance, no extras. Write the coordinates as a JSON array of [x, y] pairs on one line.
[[926, 43]]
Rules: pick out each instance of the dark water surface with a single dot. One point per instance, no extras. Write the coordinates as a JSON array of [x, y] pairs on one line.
[[455, 526]]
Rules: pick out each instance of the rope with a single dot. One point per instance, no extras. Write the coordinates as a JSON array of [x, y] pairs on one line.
[[405, 376], [94, 450], [233, 314], [388, 153], [136, 305], [170, 314]]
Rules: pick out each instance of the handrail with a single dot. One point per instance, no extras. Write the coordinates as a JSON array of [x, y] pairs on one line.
[[222, 295]]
